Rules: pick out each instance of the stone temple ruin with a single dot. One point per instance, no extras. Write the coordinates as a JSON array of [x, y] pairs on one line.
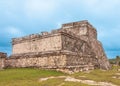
[[74, 47]]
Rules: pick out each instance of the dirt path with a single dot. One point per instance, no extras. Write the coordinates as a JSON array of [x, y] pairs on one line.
[[116, 76], [71, 79], [89, 82]]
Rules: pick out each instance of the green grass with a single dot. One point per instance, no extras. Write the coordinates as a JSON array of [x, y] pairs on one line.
[[100, 75], [24, 76], [31, 76]]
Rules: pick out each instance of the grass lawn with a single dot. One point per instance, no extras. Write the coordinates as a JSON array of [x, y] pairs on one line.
[[31, 76]]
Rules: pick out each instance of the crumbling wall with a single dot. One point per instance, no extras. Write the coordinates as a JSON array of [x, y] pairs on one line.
[[64, 61], [77, 60], [37, 60], [2, 59], [75, 44], [100, 54], [2, 63], [88, 33]]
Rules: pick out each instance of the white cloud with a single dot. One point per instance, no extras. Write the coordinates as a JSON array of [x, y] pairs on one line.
[[31, 9], [13, 32], [99, 7], [40, 8], [43, 9]]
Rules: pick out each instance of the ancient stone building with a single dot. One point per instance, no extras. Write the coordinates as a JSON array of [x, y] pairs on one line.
[[74, 47]]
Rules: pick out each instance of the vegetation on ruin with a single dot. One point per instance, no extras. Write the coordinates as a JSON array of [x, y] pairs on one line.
[[115, 61], [31, 76]]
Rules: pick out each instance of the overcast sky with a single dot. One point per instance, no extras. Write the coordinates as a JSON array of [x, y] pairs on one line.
[[22, 17]]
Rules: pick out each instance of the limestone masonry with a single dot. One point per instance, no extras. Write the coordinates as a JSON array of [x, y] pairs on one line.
[[72, 48]]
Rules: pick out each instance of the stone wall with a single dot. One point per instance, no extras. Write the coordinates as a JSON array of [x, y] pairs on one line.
[[46, 43], [82, 28], [64, 61], [88, 33], [77, 60], [2, 63], [75, 44], [100, 54], [2, 59], [40, 60]]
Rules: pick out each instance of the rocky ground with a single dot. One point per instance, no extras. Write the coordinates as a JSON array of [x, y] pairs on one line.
[[72, 79]]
